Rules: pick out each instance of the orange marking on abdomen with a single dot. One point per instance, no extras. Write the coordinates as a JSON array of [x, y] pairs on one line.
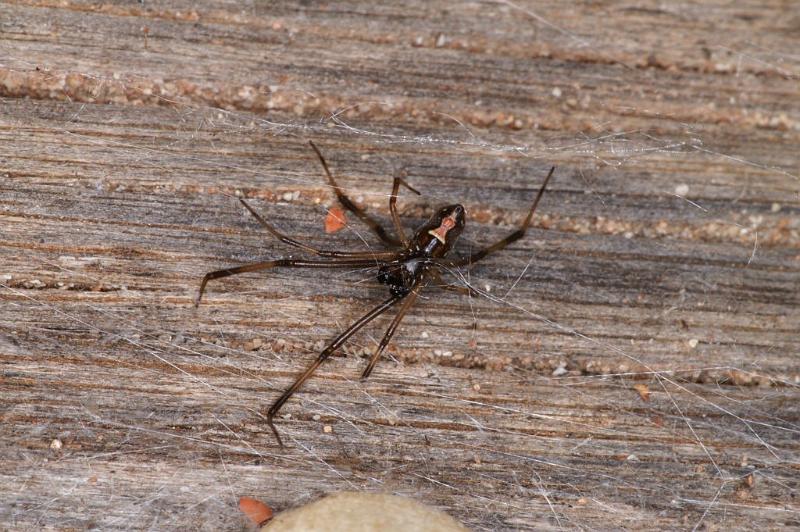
[[441, 232]]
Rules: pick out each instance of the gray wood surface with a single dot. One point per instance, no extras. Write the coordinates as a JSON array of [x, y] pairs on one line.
[[633, 362]]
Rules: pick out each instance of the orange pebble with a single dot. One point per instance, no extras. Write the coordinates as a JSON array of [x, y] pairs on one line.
[[255, 510], [335, 219], [644, 391]]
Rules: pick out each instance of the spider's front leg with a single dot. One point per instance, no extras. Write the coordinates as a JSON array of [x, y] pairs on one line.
[[281, 263], [387, 337], [333, 346]]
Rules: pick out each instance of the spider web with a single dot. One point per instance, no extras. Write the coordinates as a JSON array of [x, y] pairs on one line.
[[486, 406]]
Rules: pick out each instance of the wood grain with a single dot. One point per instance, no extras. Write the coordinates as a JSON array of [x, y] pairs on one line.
[[633, 363]]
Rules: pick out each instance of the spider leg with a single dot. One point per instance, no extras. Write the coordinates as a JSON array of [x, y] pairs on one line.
[[333, 346], [347, 203], [398, 227], [465, 290], [387, 337], [305, 247], [279, 263], [516, 235]]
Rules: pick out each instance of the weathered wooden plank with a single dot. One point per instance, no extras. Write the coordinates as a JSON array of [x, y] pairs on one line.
[[665, 255]]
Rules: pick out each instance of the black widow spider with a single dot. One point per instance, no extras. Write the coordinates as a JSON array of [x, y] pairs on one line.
[[406, 269]]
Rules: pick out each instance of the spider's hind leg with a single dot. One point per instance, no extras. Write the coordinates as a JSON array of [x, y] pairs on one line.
[[513, 237], [305, 247], [398, 227], [441, 284], [348, 204]]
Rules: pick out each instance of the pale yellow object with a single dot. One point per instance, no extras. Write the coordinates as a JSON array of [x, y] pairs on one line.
[[363, 512]]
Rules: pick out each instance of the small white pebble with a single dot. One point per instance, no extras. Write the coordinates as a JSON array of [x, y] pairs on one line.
[[447, 353], [682, 189], [287, 416], [560, 370], [327, 429], [487, 287], [556, 92], [476, 387], [693, 342], [424, 334], [437, 352], [441, 40], [628, 235], [56, 444], [776, 207], [316, 417], [286, 196], [633, 458]]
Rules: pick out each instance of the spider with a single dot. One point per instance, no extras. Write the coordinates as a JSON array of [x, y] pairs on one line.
[[406, 267]]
